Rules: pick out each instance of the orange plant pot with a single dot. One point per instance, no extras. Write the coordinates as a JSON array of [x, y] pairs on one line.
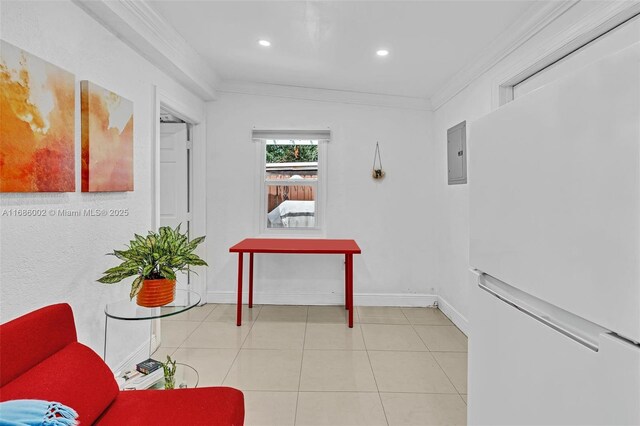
[[156, 293]]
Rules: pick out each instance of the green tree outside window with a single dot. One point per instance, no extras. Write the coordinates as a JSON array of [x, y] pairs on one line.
[[292, 153]]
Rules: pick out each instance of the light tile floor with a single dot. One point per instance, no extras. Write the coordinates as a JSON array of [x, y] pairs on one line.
[[302, 365]]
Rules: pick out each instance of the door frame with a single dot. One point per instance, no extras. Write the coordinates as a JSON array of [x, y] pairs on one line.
[[198, 176]]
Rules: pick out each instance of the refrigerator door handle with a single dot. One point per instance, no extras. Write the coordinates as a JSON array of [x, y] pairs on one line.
[[572, 326]]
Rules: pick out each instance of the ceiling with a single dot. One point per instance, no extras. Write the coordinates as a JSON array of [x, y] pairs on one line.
[[332, 44]]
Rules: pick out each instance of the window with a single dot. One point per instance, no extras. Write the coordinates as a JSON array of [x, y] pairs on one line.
[[292, 181]]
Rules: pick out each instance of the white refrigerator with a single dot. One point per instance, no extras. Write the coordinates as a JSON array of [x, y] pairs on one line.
[[554, 182]]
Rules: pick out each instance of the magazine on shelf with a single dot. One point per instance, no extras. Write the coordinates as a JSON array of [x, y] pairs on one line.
[[135, 380]]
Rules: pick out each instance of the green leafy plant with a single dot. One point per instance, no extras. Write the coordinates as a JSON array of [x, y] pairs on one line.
[[158, 255], [169, 368]]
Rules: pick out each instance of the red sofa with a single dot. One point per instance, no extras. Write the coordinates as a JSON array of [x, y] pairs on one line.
[[40, 358]]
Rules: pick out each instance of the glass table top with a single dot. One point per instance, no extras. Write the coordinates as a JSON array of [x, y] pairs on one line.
[[129, 310]]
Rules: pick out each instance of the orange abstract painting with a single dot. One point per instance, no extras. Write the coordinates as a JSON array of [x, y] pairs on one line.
[[107, 140], [37, 124]]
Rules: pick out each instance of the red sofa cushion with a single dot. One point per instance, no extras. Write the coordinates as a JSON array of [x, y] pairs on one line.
[[75, 376], [40, 358], [211, 406], [28, 340]]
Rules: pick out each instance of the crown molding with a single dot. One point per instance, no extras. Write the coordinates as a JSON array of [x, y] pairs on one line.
[[537, 17], [142, 28], [324, 95]]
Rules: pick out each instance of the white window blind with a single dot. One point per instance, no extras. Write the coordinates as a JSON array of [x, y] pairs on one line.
[[319, 135]]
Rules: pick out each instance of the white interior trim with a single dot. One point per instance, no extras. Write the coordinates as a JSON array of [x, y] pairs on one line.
[[321, 185], [320, 299], [359, 299], [143, 29], [537, 17], [195, 117], [605, 17], [452, 313], [418, 300], [140, 354], [292, 134]]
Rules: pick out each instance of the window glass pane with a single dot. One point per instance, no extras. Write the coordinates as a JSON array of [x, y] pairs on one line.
[[291, 159], [291, 206]]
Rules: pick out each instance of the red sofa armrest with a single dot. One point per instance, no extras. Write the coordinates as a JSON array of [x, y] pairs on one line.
[[28, 340], [74, 376]]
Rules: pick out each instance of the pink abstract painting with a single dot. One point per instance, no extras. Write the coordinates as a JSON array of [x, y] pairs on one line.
[[107, 140]]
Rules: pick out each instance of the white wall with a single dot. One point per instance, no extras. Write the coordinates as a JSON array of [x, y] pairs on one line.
[[476, 100], [57, 259], [392, 220]]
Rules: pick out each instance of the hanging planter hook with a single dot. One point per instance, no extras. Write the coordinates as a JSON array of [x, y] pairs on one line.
[[377, 172]]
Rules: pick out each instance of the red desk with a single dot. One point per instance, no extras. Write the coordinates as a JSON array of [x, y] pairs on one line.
[[296, 246]]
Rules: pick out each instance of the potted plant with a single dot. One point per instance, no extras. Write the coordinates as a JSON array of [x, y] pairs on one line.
[[169, 368], [155, 259]]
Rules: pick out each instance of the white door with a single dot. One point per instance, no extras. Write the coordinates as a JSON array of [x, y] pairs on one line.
[[174, 184]]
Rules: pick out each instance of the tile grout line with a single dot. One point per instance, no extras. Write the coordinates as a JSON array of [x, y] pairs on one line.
[[177, 317], [384, 411], [413, 327], [364, 391], [366, 349], [451, 381], [304, 339], [180, 345], [189, 335], [370, 392], [240, 348], [432, 356], [296, 420], [436, 359], [214, 308]]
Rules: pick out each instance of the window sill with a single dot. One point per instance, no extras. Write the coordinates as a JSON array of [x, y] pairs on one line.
[[291, 233]]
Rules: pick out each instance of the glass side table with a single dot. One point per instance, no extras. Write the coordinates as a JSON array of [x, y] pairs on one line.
[[129, 310], [186, 377]]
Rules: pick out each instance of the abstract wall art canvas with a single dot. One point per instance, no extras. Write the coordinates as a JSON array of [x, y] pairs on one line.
[[37, 124], [107, 140]]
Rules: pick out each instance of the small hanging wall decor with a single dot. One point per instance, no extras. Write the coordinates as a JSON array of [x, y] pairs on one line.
[[377, 172]]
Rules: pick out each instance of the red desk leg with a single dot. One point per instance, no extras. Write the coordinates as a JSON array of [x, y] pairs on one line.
[[346, 283], [239, 313], [251, 280], [350, 285]]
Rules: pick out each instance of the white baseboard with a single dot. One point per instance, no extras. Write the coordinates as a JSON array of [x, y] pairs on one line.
[[394, 299], [359, 299], [456, 317], [139, 355]]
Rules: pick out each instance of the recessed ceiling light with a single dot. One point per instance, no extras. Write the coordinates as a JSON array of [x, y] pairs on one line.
[[382, 52], [265, 43]]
